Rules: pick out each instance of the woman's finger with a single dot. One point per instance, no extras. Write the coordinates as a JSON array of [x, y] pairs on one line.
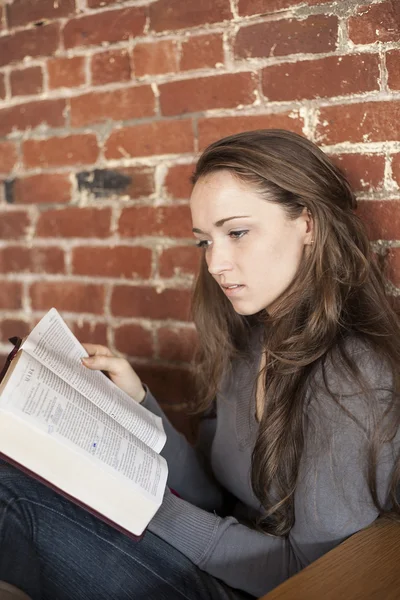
[[97, 350], [101, 362], [120, 372]]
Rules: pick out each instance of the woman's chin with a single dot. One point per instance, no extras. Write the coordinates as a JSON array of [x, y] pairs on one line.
[[246, 309]]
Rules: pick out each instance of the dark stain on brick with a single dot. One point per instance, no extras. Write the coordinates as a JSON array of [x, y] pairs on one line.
[[103, 183], [9, 190]]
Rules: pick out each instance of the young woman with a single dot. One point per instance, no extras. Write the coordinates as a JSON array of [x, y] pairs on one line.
[[298, 381]]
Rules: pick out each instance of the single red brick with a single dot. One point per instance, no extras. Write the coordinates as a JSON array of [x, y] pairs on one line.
[[155, 58], [26, 82], [396, 168], [117, 261], [8, 156], [142, 182], [116, 105], [70, 296], [74, 222], [133, 183], [21, 12], [13, 327], [381, 218], [177, 343], [308, 79], [278, 38], [66, 72], [10, 295], [147, 139], [361, 122], [179, 260], [171, 221], [202, 51], [376, 23], [392, 266], [393, 69], [253, 7], [220, 91], [146, 302], [14, 225], [109, 26], [213, 129], [363, 171], [17, 259], [171, 384], [134, 340], [177, 182], [2, 86], [59, 151], [173, 14], [89, 332], [31, 115], [40, 41], [45, 188], [110, 66]]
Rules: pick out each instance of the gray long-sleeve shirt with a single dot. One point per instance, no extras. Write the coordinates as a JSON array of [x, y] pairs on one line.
[[332, 498]]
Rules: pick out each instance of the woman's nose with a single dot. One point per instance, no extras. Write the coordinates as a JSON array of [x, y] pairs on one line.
[[218, 260]]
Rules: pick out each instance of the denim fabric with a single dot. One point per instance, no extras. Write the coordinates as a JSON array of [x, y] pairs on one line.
[[54, 550]]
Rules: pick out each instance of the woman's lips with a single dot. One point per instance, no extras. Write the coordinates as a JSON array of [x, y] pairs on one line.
[[232, 289]]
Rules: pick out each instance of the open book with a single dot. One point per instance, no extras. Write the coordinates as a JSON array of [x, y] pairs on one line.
[[76, 431]]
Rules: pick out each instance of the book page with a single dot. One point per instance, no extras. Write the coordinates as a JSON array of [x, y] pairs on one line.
[[54, 345], [37, 395]]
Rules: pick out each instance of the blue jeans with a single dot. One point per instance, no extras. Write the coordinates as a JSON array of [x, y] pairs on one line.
[[54, 550]]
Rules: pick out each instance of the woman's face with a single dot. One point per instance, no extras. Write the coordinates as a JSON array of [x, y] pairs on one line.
[[252, 249]]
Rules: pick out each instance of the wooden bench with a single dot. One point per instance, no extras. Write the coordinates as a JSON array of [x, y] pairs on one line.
[[364, 567]]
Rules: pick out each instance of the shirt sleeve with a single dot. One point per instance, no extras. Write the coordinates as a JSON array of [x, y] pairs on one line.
[[189, 473], [332, 501]]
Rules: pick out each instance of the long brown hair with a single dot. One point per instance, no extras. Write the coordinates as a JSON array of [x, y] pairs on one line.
[[338, 293]]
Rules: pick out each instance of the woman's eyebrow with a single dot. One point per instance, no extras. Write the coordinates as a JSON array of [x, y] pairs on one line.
[[221, 222]]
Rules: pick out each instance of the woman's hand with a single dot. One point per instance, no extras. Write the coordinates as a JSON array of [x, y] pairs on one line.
[[118, 369]]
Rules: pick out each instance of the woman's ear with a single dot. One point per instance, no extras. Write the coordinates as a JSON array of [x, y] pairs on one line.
[[309, 226]]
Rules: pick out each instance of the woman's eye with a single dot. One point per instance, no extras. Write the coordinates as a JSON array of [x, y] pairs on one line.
[[236, 235], [203, 243]]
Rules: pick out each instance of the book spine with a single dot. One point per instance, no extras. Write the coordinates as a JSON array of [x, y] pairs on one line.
[[17, 343]]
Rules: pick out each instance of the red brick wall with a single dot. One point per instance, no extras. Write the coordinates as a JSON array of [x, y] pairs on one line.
[[104, 106]]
